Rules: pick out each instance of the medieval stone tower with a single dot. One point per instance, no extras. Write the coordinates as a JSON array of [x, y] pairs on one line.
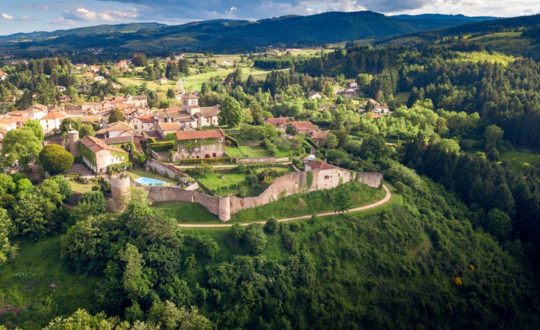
[[120, 189], [73, 142], [224, 213]]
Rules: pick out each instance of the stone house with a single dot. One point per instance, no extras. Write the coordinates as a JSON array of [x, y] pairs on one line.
[[165, 129], [326, 176], [303, 127], [190, 114], [200, 144], [51, 122], [279, 122], [143, 123], [98, 156], [116, 129]]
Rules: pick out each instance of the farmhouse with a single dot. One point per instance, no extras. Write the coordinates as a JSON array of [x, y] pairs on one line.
[[279, 122], [98, 156], [200, 144]]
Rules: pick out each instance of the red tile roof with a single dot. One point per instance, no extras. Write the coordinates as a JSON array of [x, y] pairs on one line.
[[146, 119], [199, 135], [53, 115], [304, 126], [278, 121], [97, 145], [318, 165]]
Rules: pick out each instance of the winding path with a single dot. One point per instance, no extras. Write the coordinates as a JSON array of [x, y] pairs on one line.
[[386, 199]]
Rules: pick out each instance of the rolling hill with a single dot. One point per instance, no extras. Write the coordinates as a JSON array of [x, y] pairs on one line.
[[225, 35]]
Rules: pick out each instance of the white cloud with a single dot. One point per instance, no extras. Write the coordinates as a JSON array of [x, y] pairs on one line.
[[85, 15], [6, 16]]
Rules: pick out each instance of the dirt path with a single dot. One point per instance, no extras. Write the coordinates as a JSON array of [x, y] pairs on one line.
[[386, 199]]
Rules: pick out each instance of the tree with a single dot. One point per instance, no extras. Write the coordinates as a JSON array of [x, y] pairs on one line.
[[115, 116], [342, 199], [7, 185], [55, 159], [81, 319], [255, 239], [498, 224], [25, 101], [33, 214], [374, 148], [21, 144], [169, 317], [139, 60], [231, 112], [6, 228], [134, 279], [170, 93], [493, 135], [86, 129], [35, 126]]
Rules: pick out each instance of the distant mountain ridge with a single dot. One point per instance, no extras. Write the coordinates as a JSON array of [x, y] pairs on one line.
[[225, 35]]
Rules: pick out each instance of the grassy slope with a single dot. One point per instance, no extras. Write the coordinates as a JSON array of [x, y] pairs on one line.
[[36, 283], [194, 82], [304, 204], [521, 160]]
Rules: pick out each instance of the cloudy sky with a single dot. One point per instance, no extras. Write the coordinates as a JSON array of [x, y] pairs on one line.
[[37, 15]]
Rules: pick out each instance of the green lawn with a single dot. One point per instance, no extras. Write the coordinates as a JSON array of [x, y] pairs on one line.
[[139, 172], [254, 152], [223, 183], [37, 286], [185, 212], [304, 204], [246, 152], [521, 159], [81, 187]]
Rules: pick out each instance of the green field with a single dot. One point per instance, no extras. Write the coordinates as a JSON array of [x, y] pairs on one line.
[[194, 82], [475, 57], [36, 287], [520, 160], [255, 152]]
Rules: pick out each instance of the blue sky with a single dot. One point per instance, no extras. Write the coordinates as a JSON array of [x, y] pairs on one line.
[[35, 15]]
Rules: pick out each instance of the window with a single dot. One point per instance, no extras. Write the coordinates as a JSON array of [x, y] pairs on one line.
[[326, 177]]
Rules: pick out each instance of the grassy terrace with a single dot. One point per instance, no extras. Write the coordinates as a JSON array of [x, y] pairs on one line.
[[310, 203], [254, 152], [521, 160], [297, 205], [228, 183], [35, 287]]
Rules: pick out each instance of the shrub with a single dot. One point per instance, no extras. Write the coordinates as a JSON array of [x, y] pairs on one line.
[[271, 226]]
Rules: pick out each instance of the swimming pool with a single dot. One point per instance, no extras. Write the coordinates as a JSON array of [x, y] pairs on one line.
[[149, 181]]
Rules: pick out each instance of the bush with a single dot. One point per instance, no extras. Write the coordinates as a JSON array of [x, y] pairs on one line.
[[271, 226], [55, 159]]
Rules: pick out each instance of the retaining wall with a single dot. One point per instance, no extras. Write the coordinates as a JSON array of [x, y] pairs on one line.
[[286, 185]]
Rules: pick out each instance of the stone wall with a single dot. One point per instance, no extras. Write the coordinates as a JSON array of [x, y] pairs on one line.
[[163, 169], [286, 185]]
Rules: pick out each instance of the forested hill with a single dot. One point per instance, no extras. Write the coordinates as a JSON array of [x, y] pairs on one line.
[[227, 35], [514, 36]]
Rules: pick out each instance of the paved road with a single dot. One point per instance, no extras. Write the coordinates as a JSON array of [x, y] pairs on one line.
[[386, 199]]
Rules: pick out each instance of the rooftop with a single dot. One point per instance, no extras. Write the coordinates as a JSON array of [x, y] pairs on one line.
[[199, 135]]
